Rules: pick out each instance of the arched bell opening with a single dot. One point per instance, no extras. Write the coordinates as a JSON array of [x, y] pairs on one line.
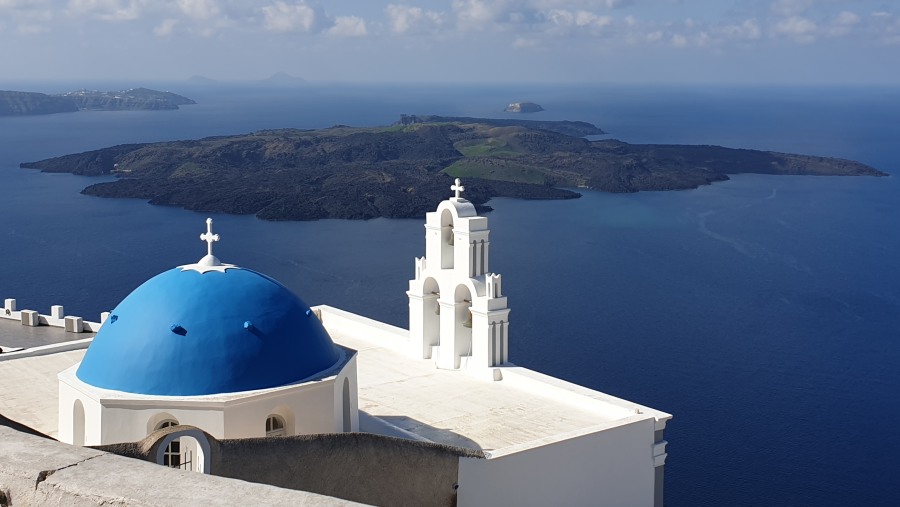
[[431, 313], [447, 240], [463, 324]]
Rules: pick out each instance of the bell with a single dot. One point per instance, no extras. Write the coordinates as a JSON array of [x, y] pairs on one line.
[[468, 322], [437, 309], [450, 241]]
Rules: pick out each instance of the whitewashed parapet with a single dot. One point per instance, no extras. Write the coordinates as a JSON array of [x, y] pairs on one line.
[[46, 350], [335, 319], [57, 318]]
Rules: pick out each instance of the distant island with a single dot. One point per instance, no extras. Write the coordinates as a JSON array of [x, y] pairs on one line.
[[15, 103], [276, 80], [402, 170], [523, 107]]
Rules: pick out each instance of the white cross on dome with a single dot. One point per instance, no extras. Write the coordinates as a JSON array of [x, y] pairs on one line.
[[209, 237]]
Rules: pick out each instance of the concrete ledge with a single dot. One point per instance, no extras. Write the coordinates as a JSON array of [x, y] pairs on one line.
[[45, 350], [611, 406], [57, 318], [37, 471], [355, 325]]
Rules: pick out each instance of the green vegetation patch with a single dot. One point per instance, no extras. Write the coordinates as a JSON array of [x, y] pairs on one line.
[[496, 169], [492, 147]]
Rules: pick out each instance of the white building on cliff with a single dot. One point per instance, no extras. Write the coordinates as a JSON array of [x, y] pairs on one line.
[[219, 348]]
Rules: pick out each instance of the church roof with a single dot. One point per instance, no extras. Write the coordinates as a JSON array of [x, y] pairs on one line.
[[207, 328]]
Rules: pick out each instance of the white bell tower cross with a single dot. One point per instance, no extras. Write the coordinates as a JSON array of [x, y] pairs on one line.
[[458, 314]]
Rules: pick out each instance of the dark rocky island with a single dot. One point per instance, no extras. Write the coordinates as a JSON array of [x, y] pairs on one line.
[[523, 107], [135, 99], [14, 103], [401, 171], [26, 103]]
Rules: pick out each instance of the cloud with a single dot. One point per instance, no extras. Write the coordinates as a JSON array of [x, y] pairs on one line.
[[844, 23], [348, 26], [107, 10], [284, 17], [12, 4], [791, 7], [563, 21], [404, 19], [847, 18], [32, 29], [524, 43], [484, 14], [747, 30], [166, 28], [798, 28], [585, 18], [475, 14], [199, 9], [615, 4], [679, 41]]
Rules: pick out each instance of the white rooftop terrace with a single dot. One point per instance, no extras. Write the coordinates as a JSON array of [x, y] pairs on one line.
[[524, 409], [29, 390], [399, 394]]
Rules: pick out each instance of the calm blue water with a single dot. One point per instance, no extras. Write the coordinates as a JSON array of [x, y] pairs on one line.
[[763, 312]]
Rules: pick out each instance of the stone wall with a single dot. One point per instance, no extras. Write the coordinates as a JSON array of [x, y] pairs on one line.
[[361, 467], [40, 471]]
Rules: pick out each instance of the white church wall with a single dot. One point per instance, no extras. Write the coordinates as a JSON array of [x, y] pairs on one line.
[[132, 422], [89, 414], [613, 466], [65, 402], [309, 406], [346, 402]]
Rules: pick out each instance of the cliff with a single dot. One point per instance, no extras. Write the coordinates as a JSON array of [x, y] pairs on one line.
[[14, 103], [135, 99]]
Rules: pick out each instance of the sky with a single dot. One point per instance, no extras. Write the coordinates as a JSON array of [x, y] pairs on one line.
[[450, 41]]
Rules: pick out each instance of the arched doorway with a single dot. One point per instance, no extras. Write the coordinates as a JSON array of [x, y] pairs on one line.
[[187, 449], [172, 451]]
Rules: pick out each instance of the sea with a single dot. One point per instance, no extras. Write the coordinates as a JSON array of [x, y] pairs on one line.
[[762, 312]]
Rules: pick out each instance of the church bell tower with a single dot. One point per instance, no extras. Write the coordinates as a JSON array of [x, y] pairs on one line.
[[458, 314]]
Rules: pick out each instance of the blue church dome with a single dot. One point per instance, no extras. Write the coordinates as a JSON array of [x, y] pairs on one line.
[[200, 330]]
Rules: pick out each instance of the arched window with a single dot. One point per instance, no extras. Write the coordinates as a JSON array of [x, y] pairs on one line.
[[275, 426], [172, 454], [348, 418], [78, 423]]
